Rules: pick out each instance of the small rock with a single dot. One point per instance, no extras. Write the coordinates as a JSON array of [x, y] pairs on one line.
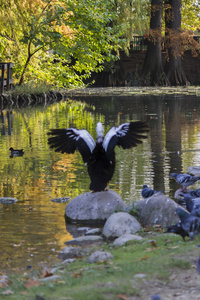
[[8, 200], [60, 200], [119, 224], [50, 278], [83, 230], [85, 240], [68, 261], [100, 256], [70, 252], [94, 231], [140, 275], [125, 238]]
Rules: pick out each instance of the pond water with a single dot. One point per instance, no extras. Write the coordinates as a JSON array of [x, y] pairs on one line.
[[33, 230]]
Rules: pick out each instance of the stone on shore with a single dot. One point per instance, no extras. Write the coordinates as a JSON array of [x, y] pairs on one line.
[[157, 210], [94, 208], [100, 256], [119, 224], [194, 171], [86, 240], [126, 238]]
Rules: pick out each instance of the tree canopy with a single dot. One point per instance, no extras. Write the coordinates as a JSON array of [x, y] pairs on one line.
[[62, 42]]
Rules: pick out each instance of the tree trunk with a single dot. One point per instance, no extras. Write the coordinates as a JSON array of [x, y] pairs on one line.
[[173, 67], [153, 60]]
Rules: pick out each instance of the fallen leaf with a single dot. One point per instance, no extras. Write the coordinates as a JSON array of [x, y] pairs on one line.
[[46, 273], [144, 257], [77, 274], [123, 297], [153, 243], [31, 282]]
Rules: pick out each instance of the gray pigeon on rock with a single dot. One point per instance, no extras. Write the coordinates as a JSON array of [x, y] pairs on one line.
[[190, 223], [184, 179], [147, 192]]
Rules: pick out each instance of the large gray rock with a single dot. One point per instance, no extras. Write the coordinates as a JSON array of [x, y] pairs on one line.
[[94, 208], [119, 224], [158, 209], [194, 171]]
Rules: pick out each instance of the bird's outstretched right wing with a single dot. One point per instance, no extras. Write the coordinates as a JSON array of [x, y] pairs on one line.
[[70, 139], [126, 135]]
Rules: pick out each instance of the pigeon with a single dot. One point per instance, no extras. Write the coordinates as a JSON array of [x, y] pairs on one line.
[[190, 223], [147, 192], [177, 229], [184, 179], [198, 263], [100, 155], [193, 206], [156, 297], [191, 194]]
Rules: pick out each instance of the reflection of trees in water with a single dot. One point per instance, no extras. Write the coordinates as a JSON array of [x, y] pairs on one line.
[[6, 122]]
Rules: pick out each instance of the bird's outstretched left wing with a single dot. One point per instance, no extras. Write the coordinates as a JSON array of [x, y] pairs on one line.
[[126, 135], [68, 140]]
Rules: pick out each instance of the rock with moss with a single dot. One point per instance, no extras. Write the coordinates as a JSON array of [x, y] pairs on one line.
[[157, 210], [94, 208]]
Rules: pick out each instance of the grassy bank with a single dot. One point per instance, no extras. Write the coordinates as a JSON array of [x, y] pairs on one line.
[[160, 263]]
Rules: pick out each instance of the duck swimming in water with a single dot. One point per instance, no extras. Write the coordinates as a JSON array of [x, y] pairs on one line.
[[100, 155], [16, 152]]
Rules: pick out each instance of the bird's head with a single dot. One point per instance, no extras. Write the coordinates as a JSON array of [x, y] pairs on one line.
[[145, 186]]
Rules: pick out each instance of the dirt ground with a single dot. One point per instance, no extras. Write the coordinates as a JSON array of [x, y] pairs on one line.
[[181, 285]]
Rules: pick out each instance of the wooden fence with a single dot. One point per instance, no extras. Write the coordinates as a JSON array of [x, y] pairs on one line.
[[141, 42], [6, 80]]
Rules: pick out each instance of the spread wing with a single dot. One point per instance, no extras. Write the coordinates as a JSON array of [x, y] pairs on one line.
[[68, 140], [127, 135]]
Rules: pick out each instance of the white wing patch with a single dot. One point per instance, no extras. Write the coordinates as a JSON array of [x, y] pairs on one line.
[[84, 134], [108, 137], [122, 129]]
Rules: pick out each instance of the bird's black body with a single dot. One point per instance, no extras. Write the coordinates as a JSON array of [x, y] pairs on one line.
[[190, 223], [99, 156], [177, 229], [100, 168], [16, 152]]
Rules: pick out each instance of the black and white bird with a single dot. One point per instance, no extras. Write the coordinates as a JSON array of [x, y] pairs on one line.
[[190, 223], [100, 155], [177, 229], [147, 192], [184, 179]]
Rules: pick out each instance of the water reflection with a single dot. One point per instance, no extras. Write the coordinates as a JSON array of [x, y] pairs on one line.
[[34, 228]]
